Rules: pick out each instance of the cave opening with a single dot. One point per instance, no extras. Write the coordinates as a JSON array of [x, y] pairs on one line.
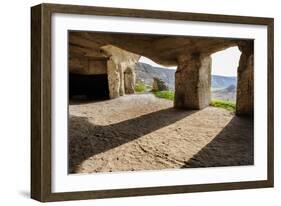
[[91, 82], [88, 87], [224, 76], [156, 78]]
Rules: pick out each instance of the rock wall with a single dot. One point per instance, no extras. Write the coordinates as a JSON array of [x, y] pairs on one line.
[[245, 84], [87, 65], [120, 70]]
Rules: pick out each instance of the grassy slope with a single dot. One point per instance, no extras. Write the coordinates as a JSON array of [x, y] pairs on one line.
[[169, 95], [230, 106], [141, 87], [165, 94]]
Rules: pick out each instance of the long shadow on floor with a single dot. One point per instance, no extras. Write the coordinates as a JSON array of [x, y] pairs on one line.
[[233, 146], [86, 139]]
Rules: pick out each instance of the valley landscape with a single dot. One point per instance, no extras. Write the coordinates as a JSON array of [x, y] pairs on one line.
[[222, 87]]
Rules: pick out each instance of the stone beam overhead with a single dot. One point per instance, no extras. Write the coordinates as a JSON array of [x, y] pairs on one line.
[[162, 49]]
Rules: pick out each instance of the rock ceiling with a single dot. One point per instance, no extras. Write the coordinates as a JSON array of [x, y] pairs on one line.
[[162, 49]]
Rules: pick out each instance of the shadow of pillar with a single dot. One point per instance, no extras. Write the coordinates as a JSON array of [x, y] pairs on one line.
[[233, 146], [87, 139]]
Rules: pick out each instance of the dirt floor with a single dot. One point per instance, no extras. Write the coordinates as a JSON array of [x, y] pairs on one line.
[[143, 132]]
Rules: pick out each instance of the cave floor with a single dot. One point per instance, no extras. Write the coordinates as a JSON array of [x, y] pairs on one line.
[[143, 132]]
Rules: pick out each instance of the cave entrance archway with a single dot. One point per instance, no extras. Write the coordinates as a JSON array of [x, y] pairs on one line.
[[224, 75], [193, 80], [151, 76]]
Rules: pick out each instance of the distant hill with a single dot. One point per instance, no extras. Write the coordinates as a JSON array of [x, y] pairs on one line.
[[228, 94], [145, 73], [221, 82], [223, 87]]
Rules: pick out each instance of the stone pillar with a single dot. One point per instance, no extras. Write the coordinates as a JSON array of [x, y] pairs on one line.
[[113, 77], [121, 74], [129, 80], [245, 82], [121, 78], [193, 81], [118, 62]]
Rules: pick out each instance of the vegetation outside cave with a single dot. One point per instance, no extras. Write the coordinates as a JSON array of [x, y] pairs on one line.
[[223, 84]]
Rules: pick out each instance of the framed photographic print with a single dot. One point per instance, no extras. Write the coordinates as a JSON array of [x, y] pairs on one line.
[[132, 102]]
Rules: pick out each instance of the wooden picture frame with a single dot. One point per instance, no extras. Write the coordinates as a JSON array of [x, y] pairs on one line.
[[41, 116]]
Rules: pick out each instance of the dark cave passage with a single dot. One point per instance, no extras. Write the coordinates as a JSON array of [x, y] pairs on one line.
[[90, 87]]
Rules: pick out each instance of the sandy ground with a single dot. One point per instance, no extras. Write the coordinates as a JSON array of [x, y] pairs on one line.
[[142, 132]]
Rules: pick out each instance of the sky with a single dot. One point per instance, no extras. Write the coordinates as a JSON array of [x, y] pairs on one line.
[[224, 63]]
